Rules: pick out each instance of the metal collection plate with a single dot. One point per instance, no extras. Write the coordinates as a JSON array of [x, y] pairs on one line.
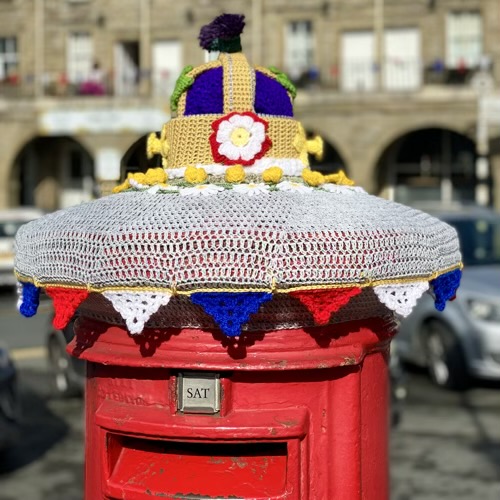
[[198, 392]]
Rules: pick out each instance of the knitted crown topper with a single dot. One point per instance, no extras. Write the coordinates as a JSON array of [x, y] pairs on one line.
[[223, 33], [235, 231]]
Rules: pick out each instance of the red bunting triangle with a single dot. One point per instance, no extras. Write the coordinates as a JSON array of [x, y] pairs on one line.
[[322, 303], [66, 302]]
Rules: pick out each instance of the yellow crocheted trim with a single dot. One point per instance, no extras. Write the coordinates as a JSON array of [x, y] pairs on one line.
[[314, 178], [181, 105], [157, 146], [121, 187], [306, 146], [195, 175], [272, 174], [314, 147], [153, 145], [238, 82], [339, 178], [235, 174], [152, 177], [300, 144], [189, 137], [273, 288]]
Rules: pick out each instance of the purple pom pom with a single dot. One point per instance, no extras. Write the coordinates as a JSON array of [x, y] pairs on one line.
[[223, 27]]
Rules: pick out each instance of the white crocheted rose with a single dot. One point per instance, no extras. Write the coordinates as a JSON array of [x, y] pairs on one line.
[[201, 190], [239, 138], [293, 186], [251, 188]]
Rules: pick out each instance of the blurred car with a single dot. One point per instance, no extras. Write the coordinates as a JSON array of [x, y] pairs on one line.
[[463, 341], [398, 385], [10, 221], [9, 401], [68, 373]]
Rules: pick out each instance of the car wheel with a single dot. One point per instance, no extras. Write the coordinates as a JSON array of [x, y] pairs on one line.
[[61, 369], [445, 357]]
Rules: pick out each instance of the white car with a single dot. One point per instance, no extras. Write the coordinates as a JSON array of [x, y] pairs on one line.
[[10, 221], [464, 339]]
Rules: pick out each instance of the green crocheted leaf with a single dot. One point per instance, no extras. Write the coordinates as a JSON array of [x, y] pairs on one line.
[[284, 80], [181, 85]]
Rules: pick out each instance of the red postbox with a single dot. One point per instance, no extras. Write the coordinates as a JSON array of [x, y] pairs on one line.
[[235, 306], [193, 420]]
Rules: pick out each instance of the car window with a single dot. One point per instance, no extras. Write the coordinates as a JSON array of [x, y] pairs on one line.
[[8, 229], [479, 241]]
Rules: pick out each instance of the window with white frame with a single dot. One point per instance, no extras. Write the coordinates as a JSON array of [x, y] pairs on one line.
[[464, 39], [358, 71], [299, 48], [402, 64], [79, 57], [8, 58]]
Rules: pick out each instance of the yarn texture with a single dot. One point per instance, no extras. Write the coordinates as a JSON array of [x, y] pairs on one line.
[[234, 231], [230, 310]]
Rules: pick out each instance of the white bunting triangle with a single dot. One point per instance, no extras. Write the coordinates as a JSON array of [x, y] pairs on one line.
[[401, 298], [137, 307]]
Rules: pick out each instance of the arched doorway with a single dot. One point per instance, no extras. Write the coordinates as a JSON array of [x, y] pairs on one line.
[[135, 159], [51, 173], [431, 164]]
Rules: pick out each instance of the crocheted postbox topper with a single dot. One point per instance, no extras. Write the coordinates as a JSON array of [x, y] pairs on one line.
[[235, 231]]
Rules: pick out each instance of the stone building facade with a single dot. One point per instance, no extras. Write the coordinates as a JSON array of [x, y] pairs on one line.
[[404, 92]]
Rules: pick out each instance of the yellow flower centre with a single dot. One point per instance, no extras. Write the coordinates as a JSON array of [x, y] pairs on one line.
[[240, 136]]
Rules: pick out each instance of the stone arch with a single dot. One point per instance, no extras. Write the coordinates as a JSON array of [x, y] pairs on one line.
[[51, 172], [427, 163]]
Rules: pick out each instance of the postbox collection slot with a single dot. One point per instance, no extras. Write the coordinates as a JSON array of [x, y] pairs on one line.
[[249, 469]]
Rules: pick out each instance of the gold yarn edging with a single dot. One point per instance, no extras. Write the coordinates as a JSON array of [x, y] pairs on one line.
[[238, 83], [272, 289], [181, 105], [190, 145]]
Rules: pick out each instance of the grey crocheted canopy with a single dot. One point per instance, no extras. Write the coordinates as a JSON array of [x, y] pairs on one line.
[[235, 228]]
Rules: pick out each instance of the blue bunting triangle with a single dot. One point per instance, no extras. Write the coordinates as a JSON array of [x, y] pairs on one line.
[[445, 288], [231, 310], [29, 299]]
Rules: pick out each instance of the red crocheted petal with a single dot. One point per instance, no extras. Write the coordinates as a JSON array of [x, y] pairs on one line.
[[66, 302], [322, 303]]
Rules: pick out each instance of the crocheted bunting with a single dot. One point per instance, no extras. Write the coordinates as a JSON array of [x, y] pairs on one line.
[[137, 307], [66, 302], [401, 298], [28, 299], [445, 288], [322, 303], [231, 310]]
